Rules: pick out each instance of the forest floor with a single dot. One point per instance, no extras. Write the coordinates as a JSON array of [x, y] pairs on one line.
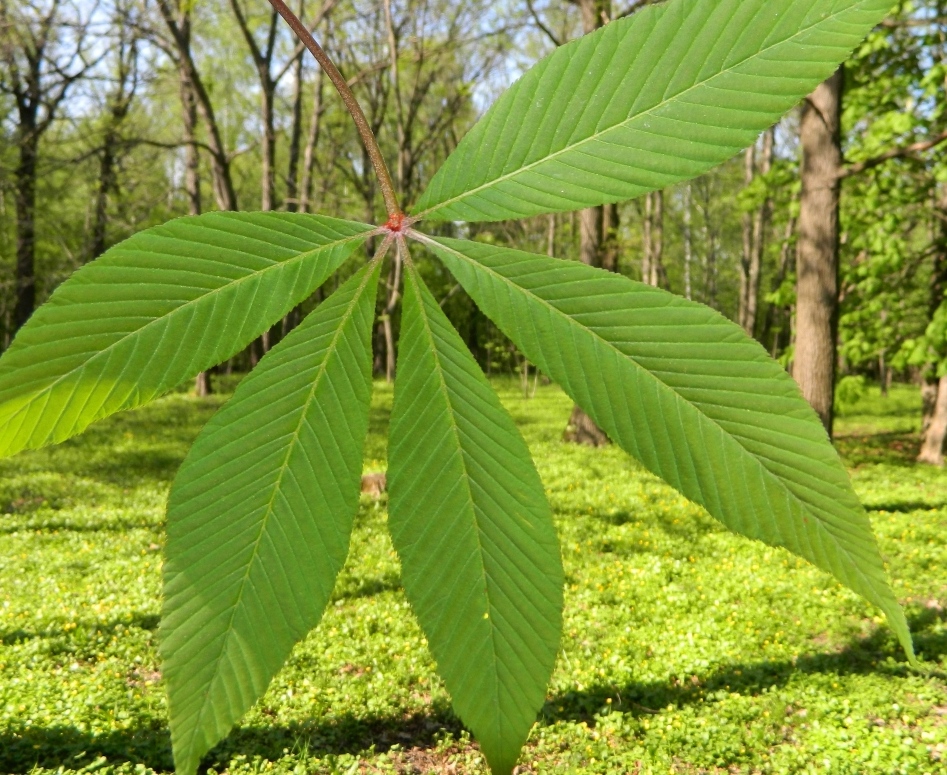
[[686, 649]]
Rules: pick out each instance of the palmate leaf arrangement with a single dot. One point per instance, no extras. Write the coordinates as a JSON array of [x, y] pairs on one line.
[[260, 513]]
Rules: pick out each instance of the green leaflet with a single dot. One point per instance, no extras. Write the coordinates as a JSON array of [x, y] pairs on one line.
[[259, 519], [470, 521], [649, 100], [687, 393], [157, 309]]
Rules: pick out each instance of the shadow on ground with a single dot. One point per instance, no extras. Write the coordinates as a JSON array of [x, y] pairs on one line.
[[877, 653], [23, 749]]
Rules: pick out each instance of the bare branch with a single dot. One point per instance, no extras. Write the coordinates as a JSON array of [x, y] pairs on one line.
[[541, 25]]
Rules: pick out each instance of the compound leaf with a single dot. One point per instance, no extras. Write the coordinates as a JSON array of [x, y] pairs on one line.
[[692, 397], [259, 519], [470, 521], [157, 309], [646, 101]]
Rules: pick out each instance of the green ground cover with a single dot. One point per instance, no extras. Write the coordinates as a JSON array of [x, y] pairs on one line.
[[686, 649]]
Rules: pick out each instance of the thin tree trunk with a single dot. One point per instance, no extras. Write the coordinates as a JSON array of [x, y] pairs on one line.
[[595, 230], [773, 326], [26, 226], [268, 164], [934, 392], [746, 222], [760, 224], [688, 242], [192, 184], [646, 240], [551, 235], [192, 159], [658, 277], [610, 243], [106, 184], [817, 267], [394, 295], [295, 140], [312, 141]]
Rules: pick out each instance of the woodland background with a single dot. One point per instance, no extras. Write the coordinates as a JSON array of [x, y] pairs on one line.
[[120, 114]]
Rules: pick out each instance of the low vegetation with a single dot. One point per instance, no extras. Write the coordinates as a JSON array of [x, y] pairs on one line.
[[686, 649]]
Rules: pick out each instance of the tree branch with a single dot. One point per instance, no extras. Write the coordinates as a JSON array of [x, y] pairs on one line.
[[894, 153], [541, 25]]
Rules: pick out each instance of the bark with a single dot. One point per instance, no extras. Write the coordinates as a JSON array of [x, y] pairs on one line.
[[583, 430], [932, 448], [590, 236], [817, 282]]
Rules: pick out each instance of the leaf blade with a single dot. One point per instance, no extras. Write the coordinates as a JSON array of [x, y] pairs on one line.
[[259, 518], [156, 310], [467, 513], [687, 393], [698, 81]]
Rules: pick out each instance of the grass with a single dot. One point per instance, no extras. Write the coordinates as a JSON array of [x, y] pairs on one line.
[[686, 649]]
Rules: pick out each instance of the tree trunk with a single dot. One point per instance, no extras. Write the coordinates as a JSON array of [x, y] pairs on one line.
[[595, 229], [26, 226], [646, 241], [610, 243], [106, 184], [932, 449], [817, 254], [760, 223], [688, 243], [775, 328], [178, 25], [295, 140], [312, 140], [192, 159], [934, 392], [267, 172], [590, 235], [746, 223], [654, 230]]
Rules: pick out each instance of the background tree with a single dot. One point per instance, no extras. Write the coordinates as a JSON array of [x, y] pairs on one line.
[[45, 50]]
